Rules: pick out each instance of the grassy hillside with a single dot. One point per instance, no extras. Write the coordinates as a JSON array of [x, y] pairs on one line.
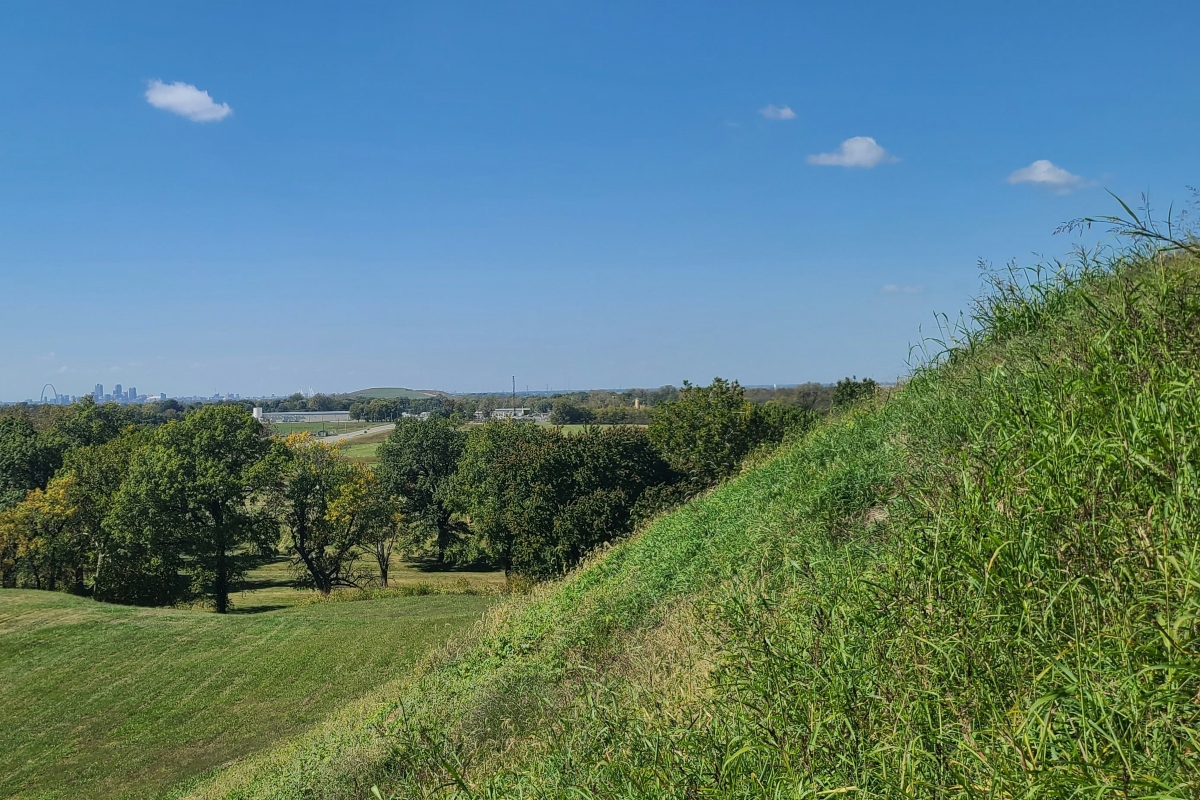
[[391, 393], [104, 701], [988, 585]]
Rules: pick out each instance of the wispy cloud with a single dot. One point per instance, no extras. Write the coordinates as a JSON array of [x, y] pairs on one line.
[[777, 112], [892, 288], [186, 101], [858, 151], [1045, 174]]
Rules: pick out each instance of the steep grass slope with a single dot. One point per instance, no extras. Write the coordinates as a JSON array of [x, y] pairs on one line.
[[104, 701], [986, 586]]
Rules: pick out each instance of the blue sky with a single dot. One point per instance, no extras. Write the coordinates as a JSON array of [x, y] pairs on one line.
[[269, 197]]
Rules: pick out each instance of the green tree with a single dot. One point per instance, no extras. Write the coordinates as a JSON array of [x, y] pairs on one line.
[[97, 473], [851, 390], [539, 500], [707, 432], [325, 504], [773, 422], [187, 501], [611, 471], [568, 413], [417, 463], [25, 462], [510, 479]]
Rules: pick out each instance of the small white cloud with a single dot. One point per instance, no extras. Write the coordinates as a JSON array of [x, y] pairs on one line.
[[892, 288], [859, 151], [777, 112], [186, 101], [1045, 174]]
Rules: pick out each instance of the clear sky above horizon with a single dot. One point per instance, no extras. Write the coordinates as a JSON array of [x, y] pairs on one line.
[[263, 198]]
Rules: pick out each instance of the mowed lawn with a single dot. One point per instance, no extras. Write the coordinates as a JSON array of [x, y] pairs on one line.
[[103, 701], [284, 428], [364, 448]]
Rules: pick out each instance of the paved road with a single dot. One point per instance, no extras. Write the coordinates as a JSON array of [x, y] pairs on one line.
[[341, 437]]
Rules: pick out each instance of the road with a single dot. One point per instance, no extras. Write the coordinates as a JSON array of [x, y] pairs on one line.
[[341, 437]]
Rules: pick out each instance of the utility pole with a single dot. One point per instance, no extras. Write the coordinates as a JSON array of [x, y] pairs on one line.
[[514, 398]]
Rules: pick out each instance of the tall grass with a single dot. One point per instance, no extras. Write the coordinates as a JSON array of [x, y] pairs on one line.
[[987, 585]]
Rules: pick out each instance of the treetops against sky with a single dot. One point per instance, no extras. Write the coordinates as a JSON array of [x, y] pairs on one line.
[[283, 195]]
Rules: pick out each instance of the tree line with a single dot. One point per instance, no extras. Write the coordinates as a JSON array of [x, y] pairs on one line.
[[96, 504]]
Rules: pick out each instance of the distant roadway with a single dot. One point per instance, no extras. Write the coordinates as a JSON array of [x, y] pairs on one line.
[[355, 434]]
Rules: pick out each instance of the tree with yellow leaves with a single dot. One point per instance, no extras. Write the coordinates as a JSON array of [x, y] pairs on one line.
[[326, 505]]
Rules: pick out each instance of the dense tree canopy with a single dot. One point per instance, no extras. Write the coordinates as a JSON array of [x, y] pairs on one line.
[[168, 504], [416, 464], [191, 490]]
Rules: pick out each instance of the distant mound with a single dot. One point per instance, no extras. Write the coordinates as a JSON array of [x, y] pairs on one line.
[[393, 393]]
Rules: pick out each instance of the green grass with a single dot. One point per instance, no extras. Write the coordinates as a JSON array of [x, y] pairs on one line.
[[987, 585], [392, 393], [284, 428], [365, 448], [273, 585], [103, 701]]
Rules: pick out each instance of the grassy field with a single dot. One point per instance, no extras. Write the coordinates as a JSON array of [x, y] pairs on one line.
[[983, 585], [284, 428], [273, 586], [391, 393], [364, 448], [100, 701]]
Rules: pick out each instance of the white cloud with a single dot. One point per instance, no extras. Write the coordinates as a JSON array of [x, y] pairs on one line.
[[1043, 173], [186, 101], [892, 288], [859, 151], [777, 112]]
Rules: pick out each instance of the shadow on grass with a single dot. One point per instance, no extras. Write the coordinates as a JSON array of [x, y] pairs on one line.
[[240, 609], [433, 565]]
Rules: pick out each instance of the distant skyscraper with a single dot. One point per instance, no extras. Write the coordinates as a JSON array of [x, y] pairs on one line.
[[162, 396], [98, 393], [117, 393], [132, 393]]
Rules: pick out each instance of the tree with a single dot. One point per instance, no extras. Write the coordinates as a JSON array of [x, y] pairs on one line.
[[611, 471], [538, 500], [774, 421], [707, 432], [417, 464], [850, 390], [186, 503], [510, 480], [97, 472], [35, 537], [567, 413], [325, 503], [25, 462], [383, 523]]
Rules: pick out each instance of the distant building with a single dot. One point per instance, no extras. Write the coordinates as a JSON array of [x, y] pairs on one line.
[[98, 392], [117, 393], [162, 396], [133, 395]]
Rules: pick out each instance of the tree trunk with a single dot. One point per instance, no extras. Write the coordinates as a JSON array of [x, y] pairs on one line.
[[221, 583]]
